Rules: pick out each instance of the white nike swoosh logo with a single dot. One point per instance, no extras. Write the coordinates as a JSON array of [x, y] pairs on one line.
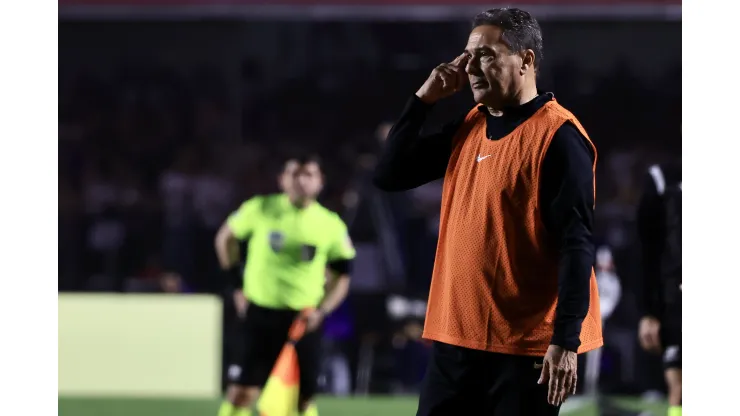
[[479, 158]]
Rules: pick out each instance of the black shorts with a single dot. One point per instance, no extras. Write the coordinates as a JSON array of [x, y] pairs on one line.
[[265, 334], [670, 338], [461, 381]]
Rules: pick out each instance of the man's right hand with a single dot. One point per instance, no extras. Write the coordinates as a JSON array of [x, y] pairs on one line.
[[445, 80], [649, 334], [241, 303]]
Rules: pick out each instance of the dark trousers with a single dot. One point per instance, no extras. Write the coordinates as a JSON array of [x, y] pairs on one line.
[[265, 335], [461, 381]]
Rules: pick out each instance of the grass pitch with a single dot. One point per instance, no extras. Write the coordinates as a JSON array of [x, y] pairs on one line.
[[328, 406]]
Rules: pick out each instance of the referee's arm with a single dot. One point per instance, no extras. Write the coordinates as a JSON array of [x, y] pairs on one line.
[[226, 245], [340, 260], [227, 251], [337, 286], [567, 200], [237, 226], [410, 158]]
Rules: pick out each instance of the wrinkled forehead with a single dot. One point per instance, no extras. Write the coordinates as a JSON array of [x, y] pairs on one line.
[[486, 37]]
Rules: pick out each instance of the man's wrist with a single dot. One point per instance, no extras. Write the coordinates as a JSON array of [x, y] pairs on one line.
[[570, 343], [424, 98], [234, 277], [571, 348]]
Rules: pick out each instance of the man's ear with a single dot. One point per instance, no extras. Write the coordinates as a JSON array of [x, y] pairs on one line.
[[528, 61]]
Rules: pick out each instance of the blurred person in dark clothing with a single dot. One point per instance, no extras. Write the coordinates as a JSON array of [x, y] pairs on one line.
[[179, 215], [410, 350], [153, 278], [513, 296], [379, 218], [212, 197], [610, 292], [71, 235], [659, 227]]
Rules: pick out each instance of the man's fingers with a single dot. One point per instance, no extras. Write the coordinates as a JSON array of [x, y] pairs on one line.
[[449, 83], [552, 391], [566, 388], [563, 386], [553, 386], [446, 68], [452, 75], [569, 387], [443, 72], [443, 78], [574, 384], [449, 79], [459, 59], [562, 383], [545, 373], [452, 69], [447, 71]]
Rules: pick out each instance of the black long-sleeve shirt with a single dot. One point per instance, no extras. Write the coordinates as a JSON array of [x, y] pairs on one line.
[[653, 230], [566, 193]]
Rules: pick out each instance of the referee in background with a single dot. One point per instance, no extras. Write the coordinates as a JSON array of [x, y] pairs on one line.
[[659, 227], [293, 242]]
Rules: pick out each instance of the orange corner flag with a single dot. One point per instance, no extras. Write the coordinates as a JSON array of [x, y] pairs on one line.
[[280, 395]]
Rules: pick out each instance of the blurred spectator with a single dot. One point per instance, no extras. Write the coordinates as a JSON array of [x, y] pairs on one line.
[[176, 191], [153, 278], [610, 292]]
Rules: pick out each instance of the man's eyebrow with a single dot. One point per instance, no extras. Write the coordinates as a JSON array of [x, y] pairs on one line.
[[479, 48]]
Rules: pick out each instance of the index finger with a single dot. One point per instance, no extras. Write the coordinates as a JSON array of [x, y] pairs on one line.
[[459, 60]]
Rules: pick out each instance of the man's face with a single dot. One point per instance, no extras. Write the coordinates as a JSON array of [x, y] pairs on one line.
[[286, 177], [307, 181], [495, 74]]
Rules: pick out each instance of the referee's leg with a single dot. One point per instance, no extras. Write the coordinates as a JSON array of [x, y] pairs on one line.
[[264, 337], [308, 350]]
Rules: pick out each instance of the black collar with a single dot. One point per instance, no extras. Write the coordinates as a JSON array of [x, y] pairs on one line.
[[526, 109]]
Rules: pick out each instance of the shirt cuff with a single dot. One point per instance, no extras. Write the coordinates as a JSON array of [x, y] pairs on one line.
[[567, 334], [415, 103]]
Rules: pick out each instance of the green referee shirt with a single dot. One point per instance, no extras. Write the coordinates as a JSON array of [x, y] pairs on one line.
[[289, 248]]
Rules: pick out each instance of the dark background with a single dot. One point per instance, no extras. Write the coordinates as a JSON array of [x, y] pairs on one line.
[[166, 126]]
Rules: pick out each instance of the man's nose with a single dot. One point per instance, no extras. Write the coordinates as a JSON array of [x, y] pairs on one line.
[[471, 68]]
